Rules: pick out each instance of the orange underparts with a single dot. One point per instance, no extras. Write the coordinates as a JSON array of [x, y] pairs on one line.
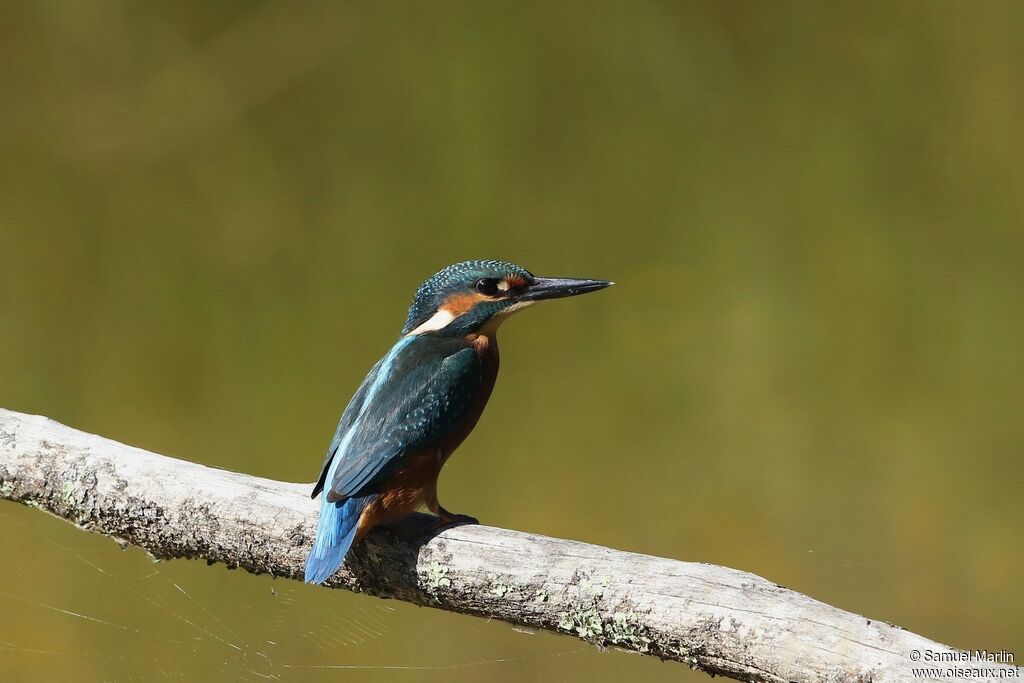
[[412, 486]]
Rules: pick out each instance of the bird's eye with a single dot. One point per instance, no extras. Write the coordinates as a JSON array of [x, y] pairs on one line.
[[487, 285]]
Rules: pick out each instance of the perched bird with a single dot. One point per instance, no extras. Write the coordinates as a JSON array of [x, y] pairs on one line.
[[419, 402]]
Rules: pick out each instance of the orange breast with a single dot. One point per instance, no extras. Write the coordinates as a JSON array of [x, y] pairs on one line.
[[404, 492]]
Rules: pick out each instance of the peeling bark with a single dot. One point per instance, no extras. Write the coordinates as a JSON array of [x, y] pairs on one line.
[[712, 618]]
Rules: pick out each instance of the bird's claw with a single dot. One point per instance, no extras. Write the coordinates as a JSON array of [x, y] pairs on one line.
[[450, 519]]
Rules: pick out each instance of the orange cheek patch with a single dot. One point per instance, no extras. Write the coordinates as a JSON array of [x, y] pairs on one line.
[[457, 304]]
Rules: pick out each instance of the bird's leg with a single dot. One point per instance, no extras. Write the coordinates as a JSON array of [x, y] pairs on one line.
[[445, 518]]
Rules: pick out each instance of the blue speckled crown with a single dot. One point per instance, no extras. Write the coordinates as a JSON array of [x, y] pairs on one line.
[[458, 276]]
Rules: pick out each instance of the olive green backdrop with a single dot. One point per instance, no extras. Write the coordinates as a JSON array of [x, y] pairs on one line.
[[213, 215]]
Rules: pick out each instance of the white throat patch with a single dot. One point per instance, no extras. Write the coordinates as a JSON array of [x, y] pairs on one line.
[[438, 321], [505, 312]]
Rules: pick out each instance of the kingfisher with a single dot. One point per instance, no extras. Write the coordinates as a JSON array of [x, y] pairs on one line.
[[419, 402]]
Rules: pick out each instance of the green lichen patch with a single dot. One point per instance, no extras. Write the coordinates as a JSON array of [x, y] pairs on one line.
[[567, 622], [627, 630], [586, 623], [590, 615], [622, 629], [499, 587], [68, 491]]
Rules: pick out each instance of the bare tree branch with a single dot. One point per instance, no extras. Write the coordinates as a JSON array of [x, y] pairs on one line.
[[716, 619]]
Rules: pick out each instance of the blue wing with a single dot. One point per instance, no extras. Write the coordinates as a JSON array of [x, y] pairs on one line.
[[345, 423], [413, 397]]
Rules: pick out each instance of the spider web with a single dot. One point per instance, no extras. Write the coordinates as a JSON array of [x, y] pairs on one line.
[[78, 607]]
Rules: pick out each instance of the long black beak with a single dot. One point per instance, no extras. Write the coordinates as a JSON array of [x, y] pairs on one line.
[[558, 287]]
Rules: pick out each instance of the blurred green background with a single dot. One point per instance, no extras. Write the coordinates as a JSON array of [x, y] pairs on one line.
[[213, 216]]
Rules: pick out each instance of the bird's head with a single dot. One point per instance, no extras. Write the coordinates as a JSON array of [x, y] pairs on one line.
[[475, 296]]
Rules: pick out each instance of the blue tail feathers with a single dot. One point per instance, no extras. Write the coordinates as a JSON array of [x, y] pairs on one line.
[[334, 535]]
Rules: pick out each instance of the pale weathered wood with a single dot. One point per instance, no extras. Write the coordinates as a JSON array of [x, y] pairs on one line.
[[716, 619]]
